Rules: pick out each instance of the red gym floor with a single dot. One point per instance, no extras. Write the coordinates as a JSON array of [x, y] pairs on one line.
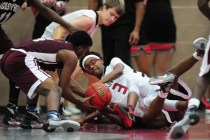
[[104, 132]]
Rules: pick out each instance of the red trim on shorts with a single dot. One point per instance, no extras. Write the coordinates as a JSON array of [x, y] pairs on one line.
[[161, 47], [135, 50]]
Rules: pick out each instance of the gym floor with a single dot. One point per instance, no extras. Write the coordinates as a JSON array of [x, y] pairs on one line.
[[104, 132]]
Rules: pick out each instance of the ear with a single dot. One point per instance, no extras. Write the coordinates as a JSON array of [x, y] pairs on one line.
[[80, 48], [104, 7]]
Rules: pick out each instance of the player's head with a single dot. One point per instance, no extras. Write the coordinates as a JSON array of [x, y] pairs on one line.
[[81, 41], [112, 10], [92, 63]]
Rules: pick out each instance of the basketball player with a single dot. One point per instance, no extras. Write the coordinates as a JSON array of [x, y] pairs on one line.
[[202, 82], [89, 21], [7, 10], [26, 65], [122, 80]]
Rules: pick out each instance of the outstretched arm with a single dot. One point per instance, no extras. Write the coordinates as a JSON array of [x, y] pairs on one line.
[[51, 15], [117, 72]]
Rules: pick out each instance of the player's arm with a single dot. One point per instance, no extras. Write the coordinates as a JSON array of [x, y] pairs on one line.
[[139, 12], [204, 7], [116, 73], [89, 117], [76, 88], [51, 15], [83, 23], [69, 60]]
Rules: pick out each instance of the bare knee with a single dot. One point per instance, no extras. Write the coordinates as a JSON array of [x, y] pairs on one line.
[[47, 87]]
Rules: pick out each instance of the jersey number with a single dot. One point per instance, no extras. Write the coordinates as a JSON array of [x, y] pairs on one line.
[[120, 88]]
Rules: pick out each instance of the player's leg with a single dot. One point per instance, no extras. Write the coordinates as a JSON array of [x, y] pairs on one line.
[[191, 116], [52, 93], [31, 118], [12, 117], [200, 45]]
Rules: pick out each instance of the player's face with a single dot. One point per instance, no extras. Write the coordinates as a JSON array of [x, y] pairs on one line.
[[81, 51], [110, 16], [94, 66]]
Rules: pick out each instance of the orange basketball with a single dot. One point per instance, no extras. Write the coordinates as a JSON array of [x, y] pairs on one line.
[[102, 95]]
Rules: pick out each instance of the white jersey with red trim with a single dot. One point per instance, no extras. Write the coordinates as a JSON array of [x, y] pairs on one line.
[[205, 66], [48, 33], [129, 81]]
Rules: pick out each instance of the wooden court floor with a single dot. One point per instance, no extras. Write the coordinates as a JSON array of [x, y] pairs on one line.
[[104, 132]]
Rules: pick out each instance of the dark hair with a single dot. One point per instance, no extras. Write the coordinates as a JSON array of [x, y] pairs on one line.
[[89, 53], [80, 38]]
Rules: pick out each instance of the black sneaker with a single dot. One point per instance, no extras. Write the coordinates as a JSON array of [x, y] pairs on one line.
[[180, 128], [12, 117], [31, 120]]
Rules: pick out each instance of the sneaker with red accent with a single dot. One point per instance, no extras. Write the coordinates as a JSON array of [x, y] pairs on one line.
[[206, 104], [125, 115]]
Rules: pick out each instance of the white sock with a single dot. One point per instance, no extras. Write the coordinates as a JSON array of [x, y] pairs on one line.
[[170, 105], [197, 57], [193, 102]]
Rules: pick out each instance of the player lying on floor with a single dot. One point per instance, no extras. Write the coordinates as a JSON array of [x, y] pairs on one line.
[[153, 109]]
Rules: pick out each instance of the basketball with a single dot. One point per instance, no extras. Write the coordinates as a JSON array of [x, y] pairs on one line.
[[102, 95]]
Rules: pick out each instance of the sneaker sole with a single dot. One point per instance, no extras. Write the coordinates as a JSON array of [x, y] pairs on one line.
[[67, 125], [179, 129], [158, 80], [200, 43]]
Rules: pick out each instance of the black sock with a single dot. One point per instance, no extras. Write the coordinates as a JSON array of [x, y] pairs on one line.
[[13, 93]]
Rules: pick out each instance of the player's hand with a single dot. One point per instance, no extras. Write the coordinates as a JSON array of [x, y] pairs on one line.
[[81, 122], [87, 106], [108, 109], [134, 38], [24, 5]]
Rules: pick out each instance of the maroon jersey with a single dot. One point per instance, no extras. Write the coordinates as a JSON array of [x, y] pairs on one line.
[[45, 51], [8, 8]]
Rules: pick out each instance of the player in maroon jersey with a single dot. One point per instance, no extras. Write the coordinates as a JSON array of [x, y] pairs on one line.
[[7, 9], [27, 63]]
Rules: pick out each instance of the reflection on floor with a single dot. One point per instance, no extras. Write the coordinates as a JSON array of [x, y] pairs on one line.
[[103, 132]]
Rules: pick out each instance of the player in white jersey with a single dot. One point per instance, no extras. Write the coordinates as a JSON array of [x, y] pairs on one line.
[[87, 20], [122, 80]]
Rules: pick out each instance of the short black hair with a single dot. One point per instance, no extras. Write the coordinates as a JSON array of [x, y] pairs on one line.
[[89, 53], [79, 38]]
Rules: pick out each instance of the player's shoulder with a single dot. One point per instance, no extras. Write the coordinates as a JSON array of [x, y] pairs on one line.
[[116, 60]]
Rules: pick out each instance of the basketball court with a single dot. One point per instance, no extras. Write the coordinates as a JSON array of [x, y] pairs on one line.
[[103, 132]]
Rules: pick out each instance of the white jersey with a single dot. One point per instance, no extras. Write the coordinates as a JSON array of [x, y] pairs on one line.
[[205, 66], [129, 81], [48, 33]]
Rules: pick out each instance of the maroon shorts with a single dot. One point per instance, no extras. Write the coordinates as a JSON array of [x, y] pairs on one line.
[[23, 70]]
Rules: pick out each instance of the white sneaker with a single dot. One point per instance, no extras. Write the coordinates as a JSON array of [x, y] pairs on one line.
[[161, 80], [73, 109], [200, 43], [66, 112], [180, 128], [67, 125], [200, 46]]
